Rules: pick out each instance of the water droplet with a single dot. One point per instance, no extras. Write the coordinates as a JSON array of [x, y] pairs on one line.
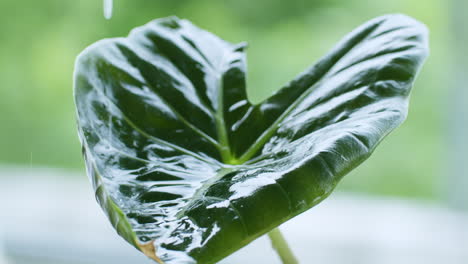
[[108, 6], [144, 239]]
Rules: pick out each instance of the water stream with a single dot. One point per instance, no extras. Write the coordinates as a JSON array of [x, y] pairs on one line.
[[108, 6]]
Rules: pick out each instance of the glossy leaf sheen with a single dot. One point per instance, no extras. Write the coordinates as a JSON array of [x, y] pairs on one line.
[[187, 168]]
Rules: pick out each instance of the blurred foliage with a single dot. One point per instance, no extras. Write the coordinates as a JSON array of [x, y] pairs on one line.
[[39, 41]]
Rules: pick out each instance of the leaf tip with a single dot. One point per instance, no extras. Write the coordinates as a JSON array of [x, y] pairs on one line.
[[149, 250]]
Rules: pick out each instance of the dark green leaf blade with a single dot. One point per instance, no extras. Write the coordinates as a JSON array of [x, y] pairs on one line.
[[188, 170]]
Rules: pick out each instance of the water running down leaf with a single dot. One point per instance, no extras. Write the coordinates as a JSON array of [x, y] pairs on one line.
[[189, 171]]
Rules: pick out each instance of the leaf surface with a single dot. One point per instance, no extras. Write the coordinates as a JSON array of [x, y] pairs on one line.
[[189, 171]]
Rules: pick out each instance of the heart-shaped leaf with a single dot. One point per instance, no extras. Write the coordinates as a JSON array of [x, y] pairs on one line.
[[189, 171]]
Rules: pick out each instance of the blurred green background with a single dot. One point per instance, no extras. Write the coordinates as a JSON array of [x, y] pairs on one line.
[[39, 41]]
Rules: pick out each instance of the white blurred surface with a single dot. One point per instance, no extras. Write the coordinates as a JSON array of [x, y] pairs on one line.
[[51, 217], [3, 259]]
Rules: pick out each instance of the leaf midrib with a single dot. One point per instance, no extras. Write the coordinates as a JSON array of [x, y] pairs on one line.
[[223, 140]]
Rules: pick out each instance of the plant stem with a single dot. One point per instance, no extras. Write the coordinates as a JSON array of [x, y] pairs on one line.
[[281, 247]]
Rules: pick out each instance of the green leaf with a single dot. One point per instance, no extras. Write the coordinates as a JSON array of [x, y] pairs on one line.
[[189, 171]]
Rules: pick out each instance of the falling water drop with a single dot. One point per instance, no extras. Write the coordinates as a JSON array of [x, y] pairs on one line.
[[108, 6]]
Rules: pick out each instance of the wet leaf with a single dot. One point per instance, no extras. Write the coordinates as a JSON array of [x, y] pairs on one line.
[[189, 171]]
